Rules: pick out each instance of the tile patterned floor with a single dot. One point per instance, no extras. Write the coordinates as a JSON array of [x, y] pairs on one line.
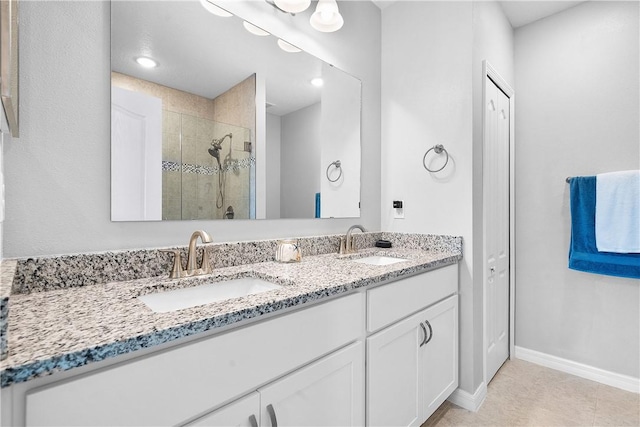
[[525, 394]]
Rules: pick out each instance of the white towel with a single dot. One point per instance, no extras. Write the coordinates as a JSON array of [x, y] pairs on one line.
[[618, 212]]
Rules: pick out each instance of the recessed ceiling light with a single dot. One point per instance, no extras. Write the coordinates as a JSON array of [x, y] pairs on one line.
[[254, 30], [216, 10], [146, 62], [317, 82], [288, 47]]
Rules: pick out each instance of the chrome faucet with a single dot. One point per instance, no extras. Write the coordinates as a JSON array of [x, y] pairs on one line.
[[192, 269], [192, 256], [346, 243]]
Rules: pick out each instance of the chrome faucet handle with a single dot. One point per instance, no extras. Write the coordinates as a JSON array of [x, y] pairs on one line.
[[343, 246], [205, 267], [176, 270]]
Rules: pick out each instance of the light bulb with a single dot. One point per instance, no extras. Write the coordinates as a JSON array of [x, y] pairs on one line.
[[216, 10], [327, 17], [146, 62], [293, 6], [254, 30], [288, 47]]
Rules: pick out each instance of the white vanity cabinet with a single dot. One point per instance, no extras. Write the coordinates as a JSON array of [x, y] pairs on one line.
[[328, 392], [412, 364], [176, 385], [244, 412], [303, 367]]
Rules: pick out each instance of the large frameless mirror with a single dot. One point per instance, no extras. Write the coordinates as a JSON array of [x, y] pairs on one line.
[[227, 124]]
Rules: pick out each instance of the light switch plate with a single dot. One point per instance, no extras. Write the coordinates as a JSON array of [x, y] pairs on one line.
[[398, 213]]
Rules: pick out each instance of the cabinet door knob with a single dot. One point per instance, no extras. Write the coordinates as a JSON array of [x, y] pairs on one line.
[[424, 331], [272, 415], [430, 331]]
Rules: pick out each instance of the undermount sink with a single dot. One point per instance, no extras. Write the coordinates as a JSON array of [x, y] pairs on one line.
[[177, 299], [379, 260]]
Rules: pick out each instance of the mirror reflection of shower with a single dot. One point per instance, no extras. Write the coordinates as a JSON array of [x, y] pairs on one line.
[[214, 150]]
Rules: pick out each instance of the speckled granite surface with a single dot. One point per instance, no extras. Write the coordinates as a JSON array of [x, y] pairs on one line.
[[65, 328], [7, 270], [40, 274]]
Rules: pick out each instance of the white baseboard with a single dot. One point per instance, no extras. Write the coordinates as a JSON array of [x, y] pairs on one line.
[[623, 382], [468, 401]]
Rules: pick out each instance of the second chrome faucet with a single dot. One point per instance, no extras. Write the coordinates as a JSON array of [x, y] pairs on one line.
[[192, 257], [346, 243]]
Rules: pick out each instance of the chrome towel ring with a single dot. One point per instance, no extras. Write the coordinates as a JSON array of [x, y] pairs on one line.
[[338, 165], [438, 149]]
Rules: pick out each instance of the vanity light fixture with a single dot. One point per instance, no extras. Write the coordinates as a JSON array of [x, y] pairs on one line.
[[146, 62], [287, 47], [317, 82], [327, 17], [216, 10], [254, 30], [293, 6]]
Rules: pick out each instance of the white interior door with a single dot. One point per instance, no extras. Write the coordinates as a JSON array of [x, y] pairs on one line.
[[496, 233], [136, 156]]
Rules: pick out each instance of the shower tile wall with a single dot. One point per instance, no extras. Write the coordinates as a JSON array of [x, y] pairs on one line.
[[171, 175], [190, 175], [192, 189]]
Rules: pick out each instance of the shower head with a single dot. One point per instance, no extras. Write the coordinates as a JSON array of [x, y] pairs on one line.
[[216, 146], [218, 142], [215, 152]]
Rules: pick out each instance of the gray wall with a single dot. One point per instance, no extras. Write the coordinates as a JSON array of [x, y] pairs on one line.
[[299, 158], [493, 41], [272, 151], [57, 173], [433, 95], [577, 113], [5, 138]]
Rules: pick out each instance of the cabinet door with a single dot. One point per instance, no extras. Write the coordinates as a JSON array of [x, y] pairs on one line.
[[393, 374], [329, 392], [244, 412], [439, 356]]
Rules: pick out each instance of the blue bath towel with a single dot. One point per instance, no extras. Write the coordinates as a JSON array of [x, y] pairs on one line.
[[583, 254], [317, 205]]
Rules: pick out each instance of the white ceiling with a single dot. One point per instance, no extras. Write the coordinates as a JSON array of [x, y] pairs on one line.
[[521, 13], [204, 54], [518, 12]]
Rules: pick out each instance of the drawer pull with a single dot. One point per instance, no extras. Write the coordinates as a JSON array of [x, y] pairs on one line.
[[253, 421], [430, 331], [424, 330], [272, 415]]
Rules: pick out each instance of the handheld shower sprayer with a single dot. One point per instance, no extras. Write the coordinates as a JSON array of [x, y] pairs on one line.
[[214, 150], [216, 146]]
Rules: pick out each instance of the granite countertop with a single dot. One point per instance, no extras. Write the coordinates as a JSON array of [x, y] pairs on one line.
[[61, 329]]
